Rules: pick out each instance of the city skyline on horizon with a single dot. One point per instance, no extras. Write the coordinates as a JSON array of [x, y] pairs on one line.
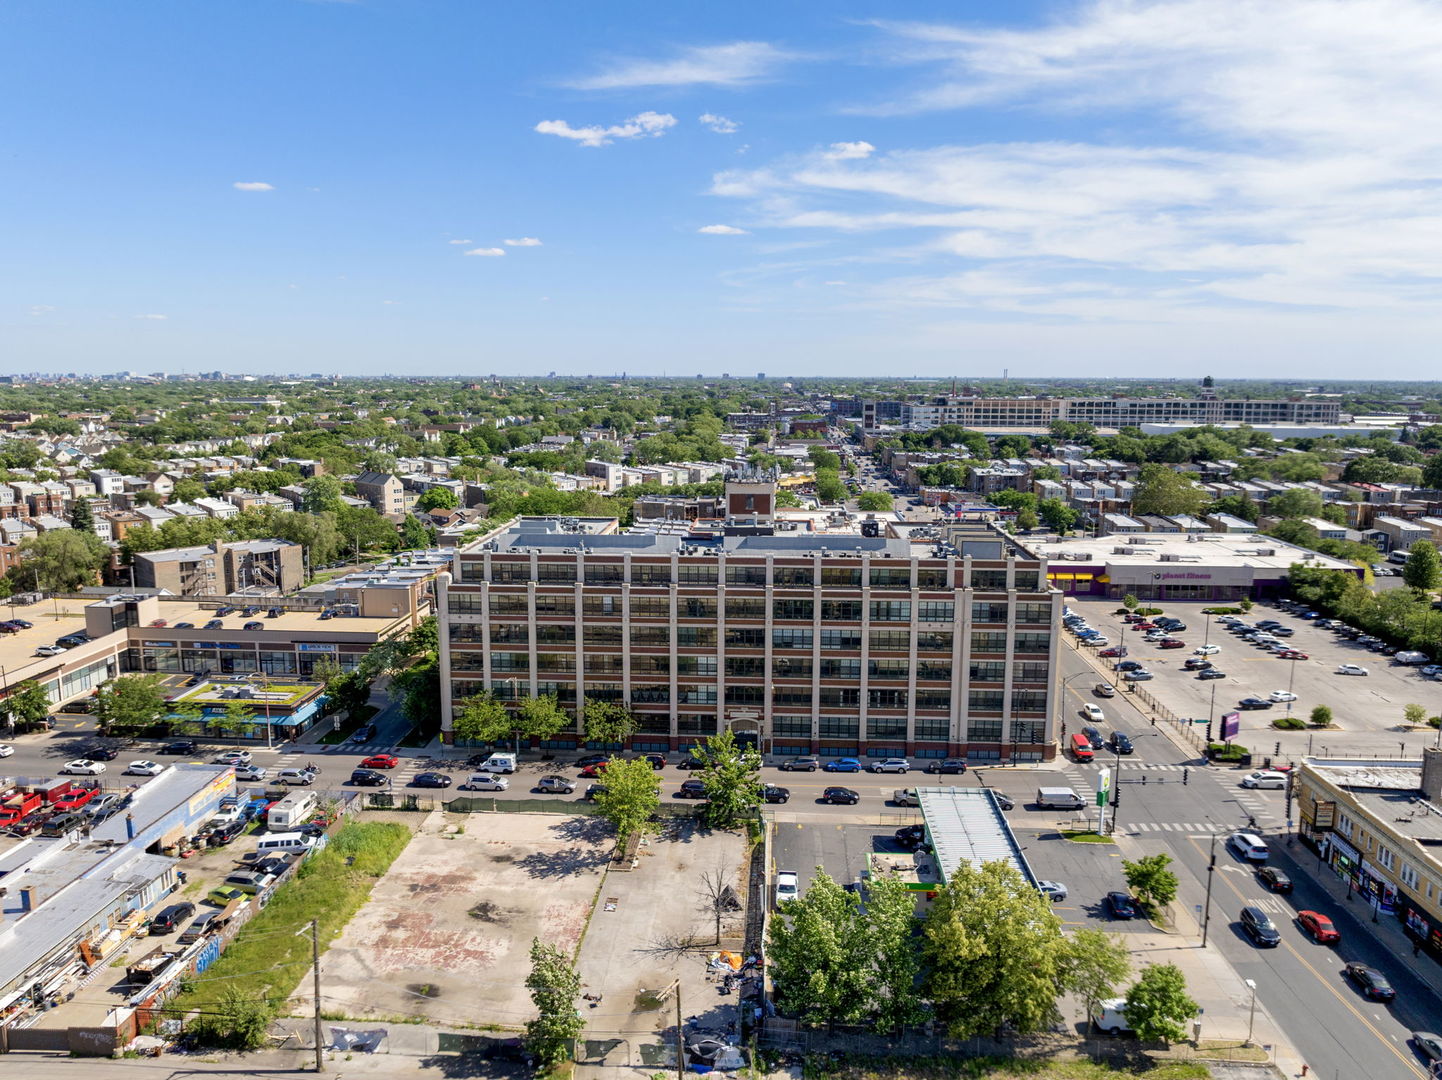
[[1039, 187]]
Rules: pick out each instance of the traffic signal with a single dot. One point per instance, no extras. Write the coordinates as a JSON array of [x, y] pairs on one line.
[[1184, 776], [1209, 733], [1154, 721], [1277, 750]]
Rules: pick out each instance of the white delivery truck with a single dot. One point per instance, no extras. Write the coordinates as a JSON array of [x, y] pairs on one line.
[[1059, 798], [1412, 658], [1110, 1016]]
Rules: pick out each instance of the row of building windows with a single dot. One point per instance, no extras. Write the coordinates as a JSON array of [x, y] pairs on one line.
[[782, 609], [518, 571]]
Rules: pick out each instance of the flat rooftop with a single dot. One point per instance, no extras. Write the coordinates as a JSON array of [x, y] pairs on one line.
[[288, 623], [1391, 790], [52, 619], [966, 825], [1205, 549]]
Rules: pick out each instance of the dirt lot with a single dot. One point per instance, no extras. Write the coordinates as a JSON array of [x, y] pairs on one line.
[[445, 935]]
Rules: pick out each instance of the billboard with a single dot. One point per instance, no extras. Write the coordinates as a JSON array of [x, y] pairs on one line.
[[1231, 724]]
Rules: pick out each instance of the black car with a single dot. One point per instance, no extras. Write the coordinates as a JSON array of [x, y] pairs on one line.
[[1130, 665], [225, 611], [226, 833], [1274, 879], [688, 762], [840, 795], [84, 705], [1094, 737], [184, 746], [253, 625], [271, 864], [1121, 743], [946, 765], [911, 837], [1371, 982], [692, 789], [807, 764], [369, 778], [1121, 906], [658, 761], [251, 612], [1211, 673], [1260, 928], [431, 779], [594, 790], [1254, 703], [1196, 663], [100, 753], [215, 624], [583, 763], [171, 917], [773, 794]]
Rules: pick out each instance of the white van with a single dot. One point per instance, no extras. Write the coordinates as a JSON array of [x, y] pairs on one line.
[[1110, 1016], [1059, 798], [288, 843], [498, 763]]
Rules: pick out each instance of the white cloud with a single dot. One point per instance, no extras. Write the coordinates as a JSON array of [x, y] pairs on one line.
[[460, 241], [252, 185], [721, 230], [721, 125], [738, 63], [642, 124], [487, 252], [156, 318], [524, 241], [850, 151], [40, 309], [1260, 161]]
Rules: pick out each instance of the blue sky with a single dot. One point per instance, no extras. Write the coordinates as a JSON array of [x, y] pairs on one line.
[[422, 186]]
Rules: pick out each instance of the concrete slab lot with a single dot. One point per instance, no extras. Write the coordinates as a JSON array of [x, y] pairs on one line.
[[446, 933], [1368, 706]]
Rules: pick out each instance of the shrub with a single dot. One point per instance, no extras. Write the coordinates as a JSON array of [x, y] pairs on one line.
[[1322, 716], [1227, 751], [1148, 611], [1221, 611], [1289, 723]]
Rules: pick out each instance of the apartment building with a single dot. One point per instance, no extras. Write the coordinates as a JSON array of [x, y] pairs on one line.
[[831, 644], [1378, 826], [384, 491], [259, 567], [1106, 412]]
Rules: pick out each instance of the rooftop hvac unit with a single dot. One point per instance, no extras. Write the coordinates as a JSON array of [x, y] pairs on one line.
[[1124, 550], [1265, 551]]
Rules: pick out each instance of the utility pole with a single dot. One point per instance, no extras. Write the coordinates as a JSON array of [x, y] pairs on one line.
[[680, 1036], [315, 977], [1211, 872]]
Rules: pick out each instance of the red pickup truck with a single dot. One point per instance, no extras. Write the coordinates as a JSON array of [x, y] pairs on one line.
[[18, 806], [75, 798]]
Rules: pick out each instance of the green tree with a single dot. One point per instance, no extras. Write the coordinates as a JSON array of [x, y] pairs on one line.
[[632, 793], [890, 924], [238, 1021], [992, 950], [148, 497], [822, 458], [349, 692], [1093, 965], [187, 718], [554, 985], [482, 719], [1026, 519], [874, 501], [437, 498], [419, 687], [541, 717], [1239, 506], [27, 705], [1155, 885], [1432, 472], [82, 516], [1296, 503], [731, 775], [1414, 714], [607, 722], [1165, 491], [322, 495], [238, 718], [416, 534], [1158, 1007], [187, 491], [1059, 517], [60, 560], [1130, 601], [1322, 716], [816, 955], [829, 488], [130, 703], [1423, 569]]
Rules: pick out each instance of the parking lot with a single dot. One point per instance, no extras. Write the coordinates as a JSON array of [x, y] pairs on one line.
[[1370, 705]]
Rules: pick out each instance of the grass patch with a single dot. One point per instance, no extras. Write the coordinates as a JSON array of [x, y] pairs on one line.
[[1085, 836], [989, 1068], [267, 959], [348, 727]]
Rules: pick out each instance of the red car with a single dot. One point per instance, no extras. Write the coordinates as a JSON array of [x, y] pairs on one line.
[[595, 770], [1144, 626], [1115, 650], [1134, 618], [380, 761], [1319, 927], [1171, 643], [1292, 654]]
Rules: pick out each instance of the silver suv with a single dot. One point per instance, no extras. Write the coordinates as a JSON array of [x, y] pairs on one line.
[[891, 764]]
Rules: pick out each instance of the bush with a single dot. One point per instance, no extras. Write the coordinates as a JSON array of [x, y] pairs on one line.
[[1226, 751], [1221, 611], [1148, 611], [1289, 723], [1322, 716], [1435, 721]]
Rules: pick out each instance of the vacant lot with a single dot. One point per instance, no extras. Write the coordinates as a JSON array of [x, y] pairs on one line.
[[446, 934]]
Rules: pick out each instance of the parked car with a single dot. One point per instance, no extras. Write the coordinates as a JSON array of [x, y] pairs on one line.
[[1428, 1044], [369, 778], [170, 918], [1207, 650], [182, 746], [1171, 643], [381, 761], [1211, 673], [202, 925], [906, 797], [1292, 654], [1282, 695], [50, 650], [846, 764], [82, 767], [911, 837], [1054, 891], [254, 625], [692, 789], [807, 764], [1113, 651], [658, 761], [250, 772], [1371, 982], [946, 765], [1129, 665], [787, 886], [588, 760], [248, 881], [482, 782], [1254, 703], [1006, 802], [301, 777], [1260, 928], [840, 795], [555, 785], [215, 624], [1318, 927], [1140, 675], [143, 768], [222, 895], [890, 765], [773, 794], [1121, 906], [1195, 663], [431, 780]]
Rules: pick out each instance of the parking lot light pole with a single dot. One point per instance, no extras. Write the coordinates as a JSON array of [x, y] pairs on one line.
[[1291, 677], [1252, 1014]]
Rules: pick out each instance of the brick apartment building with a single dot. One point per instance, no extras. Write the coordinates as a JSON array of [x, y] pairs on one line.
[[259, 567], [833, 644]]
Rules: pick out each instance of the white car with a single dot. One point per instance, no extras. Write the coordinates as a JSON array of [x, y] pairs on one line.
[[303, 777], [891, 764], [787, 886], [49, 650], [83, 767], [1265, 778], [486, 782], [233, 757], [6, 749], [250, 772], [1351, 669], [1097, 642], [1104, 689], [1207, 650], [1282, 695], [144, 768], [1093, 712]]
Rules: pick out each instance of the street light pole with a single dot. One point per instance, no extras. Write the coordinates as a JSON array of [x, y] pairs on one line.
[[1291, 676], [1252, 1014], [1211, 872]]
